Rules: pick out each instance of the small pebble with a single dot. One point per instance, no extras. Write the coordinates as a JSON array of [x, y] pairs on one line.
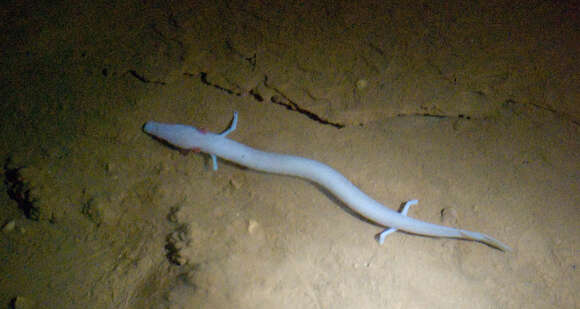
[[252, 226], [20, 302], [174, 214], [109, 167], [449, 216], [362, 84], [235, 184], [9, 227], [179, 259]]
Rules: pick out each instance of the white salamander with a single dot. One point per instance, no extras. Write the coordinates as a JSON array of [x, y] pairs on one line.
[[190, 138]]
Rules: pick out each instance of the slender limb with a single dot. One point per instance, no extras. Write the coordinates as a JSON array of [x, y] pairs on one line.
[[225, 133], [232, 127], [381, 236], [214, 162]]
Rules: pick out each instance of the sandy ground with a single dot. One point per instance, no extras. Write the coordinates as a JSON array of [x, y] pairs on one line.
[[471, 108]]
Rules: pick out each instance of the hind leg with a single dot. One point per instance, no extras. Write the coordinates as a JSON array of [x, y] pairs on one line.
[[381, 236]]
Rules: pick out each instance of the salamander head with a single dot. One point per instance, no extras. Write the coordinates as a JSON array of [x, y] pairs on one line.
[[177, 135]]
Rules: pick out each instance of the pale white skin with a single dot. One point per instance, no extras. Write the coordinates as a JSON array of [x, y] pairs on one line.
[[187, 137]]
